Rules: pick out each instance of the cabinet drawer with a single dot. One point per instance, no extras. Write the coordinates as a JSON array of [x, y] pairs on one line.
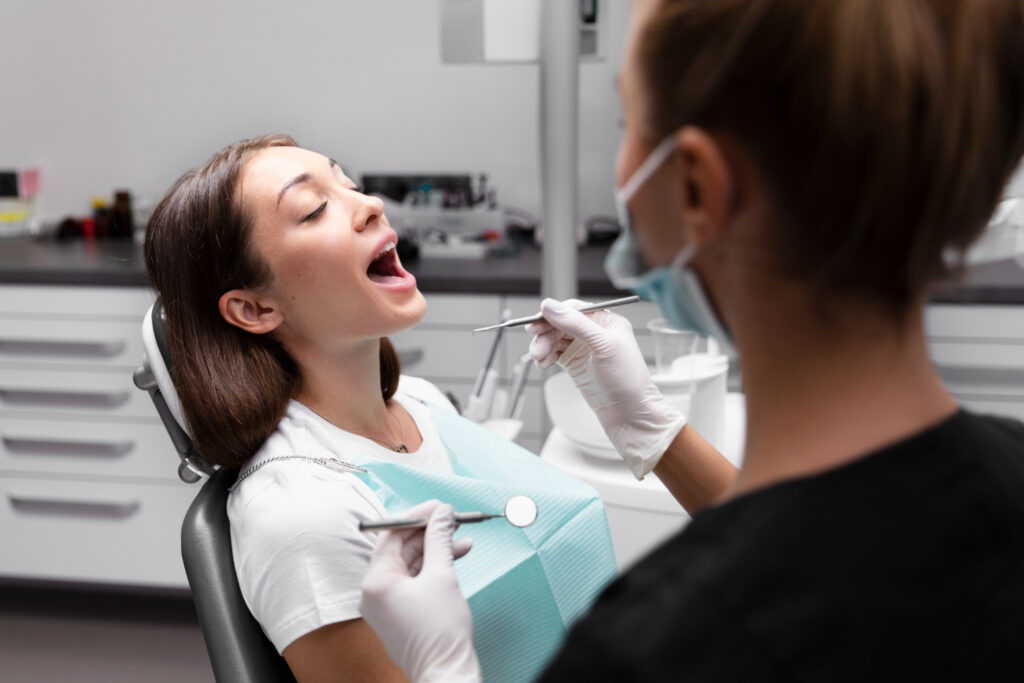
[[77, 342], [109, 303], [993, 405], [110, 394], [435, 354], [93, 447], [975, 321], [1006, 355], [93, 532]]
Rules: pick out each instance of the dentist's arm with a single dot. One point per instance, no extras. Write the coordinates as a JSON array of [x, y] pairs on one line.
[[601, 355], [412, 600]]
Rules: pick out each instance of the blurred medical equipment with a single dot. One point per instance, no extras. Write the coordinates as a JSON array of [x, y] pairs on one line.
[[478, 405], [504, 31], [444, 216], [520, 511], [516, 322], [238, 649], [18, 188], [515, 396]]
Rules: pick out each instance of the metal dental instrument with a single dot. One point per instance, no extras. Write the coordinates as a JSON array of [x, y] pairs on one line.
[[520, 511], [516, 322]]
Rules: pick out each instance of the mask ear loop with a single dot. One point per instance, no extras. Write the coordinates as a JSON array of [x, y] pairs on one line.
[[684, 256], [647, 168]]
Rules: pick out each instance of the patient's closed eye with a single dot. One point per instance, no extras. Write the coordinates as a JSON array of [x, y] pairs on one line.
[[315, 213]]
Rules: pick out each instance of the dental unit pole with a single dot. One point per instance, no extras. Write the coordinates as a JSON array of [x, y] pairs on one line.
[[559, 143]]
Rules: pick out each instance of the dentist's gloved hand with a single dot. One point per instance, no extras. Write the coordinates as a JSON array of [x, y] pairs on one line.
[[600, 353], [411, 599]]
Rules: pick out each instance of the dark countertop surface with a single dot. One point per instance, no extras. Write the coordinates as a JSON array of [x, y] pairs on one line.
[[118, 263]]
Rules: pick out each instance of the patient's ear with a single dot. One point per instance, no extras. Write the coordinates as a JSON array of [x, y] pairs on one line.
[[249, 312]]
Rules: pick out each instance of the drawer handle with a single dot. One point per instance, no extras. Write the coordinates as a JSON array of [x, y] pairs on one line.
[[82, 508], [994, 376], [48, 347], [52, 446], [410, 357], [77, 399]]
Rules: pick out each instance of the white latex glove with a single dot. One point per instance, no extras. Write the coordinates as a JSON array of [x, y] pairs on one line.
[[600, 353], [411, 599]]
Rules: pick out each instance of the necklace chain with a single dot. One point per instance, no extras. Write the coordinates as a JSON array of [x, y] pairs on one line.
[[329, 463], [400, 448]]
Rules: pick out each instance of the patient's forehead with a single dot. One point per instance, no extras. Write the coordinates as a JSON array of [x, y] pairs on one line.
[[270, 169]]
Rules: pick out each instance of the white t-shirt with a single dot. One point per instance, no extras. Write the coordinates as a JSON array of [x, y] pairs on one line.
[[298, 551]]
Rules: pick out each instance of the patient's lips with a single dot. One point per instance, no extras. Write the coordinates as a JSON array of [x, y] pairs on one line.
[[386, 271]]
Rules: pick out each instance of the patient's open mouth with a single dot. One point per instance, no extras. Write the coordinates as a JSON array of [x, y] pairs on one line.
[[385, 269]]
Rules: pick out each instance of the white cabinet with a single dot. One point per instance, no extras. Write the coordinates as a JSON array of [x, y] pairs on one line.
[[979, 352], [88, 477]]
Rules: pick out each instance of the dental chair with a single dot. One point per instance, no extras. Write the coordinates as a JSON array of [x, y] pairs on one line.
[[239, 651]]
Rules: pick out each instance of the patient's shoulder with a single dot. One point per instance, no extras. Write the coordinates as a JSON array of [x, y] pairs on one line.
[[425, 392]]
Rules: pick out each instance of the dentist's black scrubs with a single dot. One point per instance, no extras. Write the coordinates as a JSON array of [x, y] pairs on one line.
[[906, 565]]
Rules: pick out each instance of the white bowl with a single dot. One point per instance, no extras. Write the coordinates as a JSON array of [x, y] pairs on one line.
[[571, 414]]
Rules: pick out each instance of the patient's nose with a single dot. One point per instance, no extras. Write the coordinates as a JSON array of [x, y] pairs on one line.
[[369, 211]]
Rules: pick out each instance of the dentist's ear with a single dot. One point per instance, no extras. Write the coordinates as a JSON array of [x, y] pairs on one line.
[[707, 185], [245, 311]]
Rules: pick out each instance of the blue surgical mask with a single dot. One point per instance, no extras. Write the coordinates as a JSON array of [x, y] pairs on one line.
[[675, 288]]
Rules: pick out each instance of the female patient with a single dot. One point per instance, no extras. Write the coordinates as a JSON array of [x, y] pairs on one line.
[[280, 282]]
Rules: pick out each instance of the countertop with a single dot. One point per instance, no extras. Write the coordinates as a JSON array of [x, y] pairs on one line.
[[119, 263]]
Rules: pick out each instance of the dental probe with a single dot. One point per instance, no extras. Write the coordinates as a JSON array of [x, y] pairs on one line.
[[515, 322], [421, 522]]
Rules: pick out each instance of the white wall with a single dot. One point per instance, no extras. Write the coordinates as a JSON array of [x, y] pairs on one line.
[[104, 94]]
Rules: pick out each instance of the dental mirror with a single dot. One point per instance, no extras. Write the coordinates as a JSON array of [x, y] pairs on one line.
[[520, 511]]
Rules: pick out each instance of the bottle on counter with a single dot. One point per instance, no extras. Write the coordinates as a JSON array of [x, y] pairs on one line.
[[122, 225], [102, 216]]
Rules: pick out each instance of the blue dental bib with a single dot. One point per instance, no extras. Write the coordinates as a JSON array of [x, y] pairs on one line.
[[526, 586]]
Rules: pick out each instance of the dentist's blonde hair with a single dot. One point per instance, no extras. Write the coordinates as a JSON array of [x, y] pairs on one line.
[[884, 130]]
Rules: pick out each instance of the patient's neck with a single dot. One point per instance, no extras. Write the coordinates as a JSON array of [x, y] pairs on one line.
[[344, 386]]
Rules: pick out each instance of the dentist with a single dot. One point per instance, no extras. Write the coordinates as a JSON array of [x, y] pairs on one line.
[[794, 177]]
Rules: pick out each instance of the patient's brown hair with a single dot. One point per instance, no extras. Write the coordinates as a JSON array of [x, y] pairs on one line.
[[884, 130], [233, 386]]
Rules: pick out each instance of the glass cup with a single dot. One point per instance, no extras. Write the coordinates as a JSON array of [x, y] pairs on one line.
[[670, 345]]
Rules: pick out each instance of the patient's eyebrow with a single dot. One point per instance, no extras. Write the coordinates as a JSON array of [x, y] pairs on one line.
[[301, 178]]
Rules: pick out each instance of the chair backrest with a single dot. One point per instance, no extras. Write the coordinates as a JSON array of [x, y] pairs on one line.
[[154, 377], [239, 650]]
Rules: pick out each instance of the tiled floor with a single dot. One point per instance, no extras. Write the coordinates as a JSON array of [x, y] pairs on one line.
[[62, 635]]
